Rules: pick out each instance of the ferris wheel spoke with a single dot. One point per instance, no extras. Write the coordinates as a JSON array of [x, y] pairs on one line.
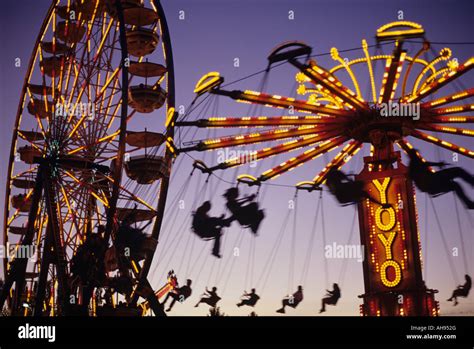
[[338, 161], [300, 159], [31, 171], [441, 143], [127, 194], [65, 199], [89, 187]]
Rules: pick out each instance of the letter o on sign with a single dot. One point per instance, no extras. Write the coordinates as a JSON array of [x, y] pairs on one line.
[[383, 273], [391, 218]]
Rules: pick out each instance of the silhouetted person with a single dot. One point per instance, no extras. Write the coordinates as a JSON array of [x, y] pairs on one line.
[[291, 301], [331, 297], [210, 298], [440, 182], [87, 265], [346, 190], [461, 290], [209, 228], [130, 237], [247, 215], [249, 299], [180, 294]]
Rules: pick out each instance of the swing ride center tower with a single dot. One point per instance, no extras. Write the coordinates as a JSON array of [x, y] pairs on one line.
[[389, 233]]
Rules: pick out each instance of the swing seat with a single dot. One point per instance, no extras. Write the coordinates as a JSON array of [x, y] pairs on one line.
[[250, 217], [207, 228], [205, 233]]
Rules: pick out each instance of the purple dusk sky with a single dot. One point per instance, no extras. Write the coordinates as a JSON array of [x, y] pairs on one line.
[[210, 37]]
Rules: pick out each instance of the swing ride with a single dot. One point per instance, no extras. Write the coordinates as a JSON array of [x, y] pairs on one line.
[[85, 181], [336, 116]]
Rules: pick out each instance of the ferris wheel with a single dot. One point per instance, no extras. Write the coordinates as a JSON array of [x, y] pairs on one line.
[[90, 152]]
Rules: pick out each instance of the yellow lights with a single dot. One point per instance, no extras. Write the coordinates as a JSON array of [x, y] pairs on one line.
[[384, 79], [134, 266], [444, 144], [453, 119], [301, 78], [379, 212], [170, 117], [383, 273], [411, 25], [252, 93], [443, 55], [382, 188], [335, 56], [246, 178], [406, 29], [342, 157], [301, 90], [453, 64], [453, 110], [382, 222], [208, 82], [387, 243], [171, 146], [365, 48]]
